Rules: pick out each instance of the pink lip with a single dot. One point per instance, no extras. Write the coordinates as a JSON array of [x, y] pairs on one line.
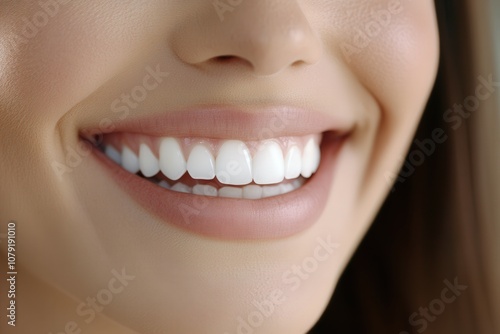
[[234, 219], [223, 122]]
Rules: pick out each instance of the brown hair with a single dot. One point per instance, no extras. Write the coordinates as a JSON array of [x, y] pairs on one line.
[[437, 226]]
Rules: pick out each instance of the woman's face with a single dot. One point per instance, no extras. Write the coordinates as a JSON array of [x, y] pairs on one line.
[[218, 108]]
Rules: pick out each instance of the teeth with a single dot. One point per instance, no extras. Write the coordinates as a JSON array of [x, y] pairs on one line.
[[129, 160], [231, 192], [172, 162], [113, 154], [268, 191], [147, 161], [310, 158], [293, 163], [200, 164], [234, 163], [268, 164], [181, 188], [286, 188], [259, 176], [164, 184], [252, 192], [206, 190]]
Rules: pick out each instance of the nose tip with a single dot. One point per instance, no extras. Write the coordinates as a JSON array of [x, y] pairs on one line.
[[270, 53], [268, 36]]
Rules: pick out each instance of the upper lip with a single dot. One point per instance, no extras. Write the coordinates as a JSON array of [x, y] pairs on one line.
[[229, 121]]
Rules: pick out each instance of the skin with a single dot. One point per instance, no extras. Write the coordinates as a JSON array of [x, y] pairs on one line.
[[77, 228]]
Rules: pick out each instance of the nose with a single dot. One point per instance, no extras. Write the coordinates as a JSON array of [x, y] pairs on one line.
[[266, 35]]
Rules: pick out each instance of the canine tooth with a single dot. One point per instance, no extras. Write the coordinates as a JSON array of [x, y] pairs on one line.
[[310, 158], [147, 161], [268, 191], [268, 165], [113, 154], [130, 161], [252, 192], [200, 164], [234, 163], [293, 163], [172, 162], [181, 188], [231, 192], [206, 190]]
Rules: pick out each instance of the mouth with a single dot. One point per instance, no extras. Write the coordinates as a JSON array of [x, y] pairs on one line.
[[224, 173]]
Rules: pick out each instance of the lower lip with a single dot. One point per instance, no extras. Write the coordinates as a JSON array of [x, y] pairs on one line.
[[235, 219]]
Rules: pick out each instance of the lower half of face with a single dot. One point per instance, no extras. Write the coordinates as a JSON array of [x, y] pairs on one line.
[[212, 166]]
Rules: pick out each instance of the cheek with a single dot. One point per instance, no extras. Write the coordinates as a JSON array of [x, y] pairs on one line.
[[399, 64], [54, 63]]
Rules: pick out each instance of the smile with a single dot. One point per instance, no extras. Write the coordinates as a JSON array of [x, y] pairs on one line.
[[227, 173], [226, 168]]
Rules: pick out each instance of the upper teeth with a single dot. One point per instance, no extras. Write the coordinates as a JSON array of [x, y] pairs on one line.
[[231, 162]]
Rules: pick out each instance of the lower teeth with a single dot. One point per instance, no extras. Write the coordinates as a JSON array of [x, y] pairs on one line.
[[251, 191]]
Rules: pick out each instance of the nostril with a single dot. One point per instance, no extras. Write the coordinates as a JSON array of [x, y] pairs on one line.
[[231, 60], [225, 58]]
